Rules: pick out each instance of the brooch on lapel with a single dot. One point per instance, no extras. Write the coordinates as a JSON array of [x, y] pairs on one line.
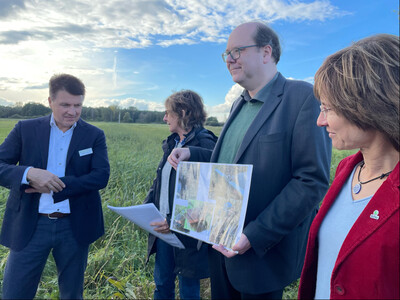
[[374, 215]]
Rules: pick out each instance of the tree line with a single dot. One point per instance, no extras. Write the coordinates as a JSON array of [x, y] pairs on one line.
[[112, 113]]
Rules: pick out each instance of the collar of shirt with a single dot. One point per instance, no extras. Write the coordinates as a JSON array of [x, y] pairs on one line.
[[177, 141], [262, 94], [187, 136]]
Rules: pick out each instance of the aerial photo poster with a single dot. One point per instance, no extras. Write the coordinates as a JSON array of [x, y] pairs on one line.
[[210, 201]]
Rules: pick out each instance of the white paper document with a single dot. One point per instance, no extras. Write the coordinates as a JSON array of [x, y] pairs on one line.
[[142, 215], [210, 201]]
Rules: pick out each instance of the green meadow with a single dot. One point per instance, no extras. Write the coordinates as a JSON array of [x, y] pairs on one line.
[[117, 265]]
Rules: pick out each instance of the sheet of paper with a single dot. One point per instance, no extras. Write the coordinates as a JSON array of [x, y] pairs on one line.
[[210, 201], [142, 215]]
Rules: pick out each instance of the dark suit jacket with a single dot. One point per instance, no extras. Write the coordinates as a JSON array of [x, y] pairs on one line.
[[28, 145], [291, 157]]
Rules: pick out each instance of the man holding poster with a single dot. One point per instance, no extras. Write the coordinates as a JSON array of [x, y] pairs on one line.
[[271, 126]]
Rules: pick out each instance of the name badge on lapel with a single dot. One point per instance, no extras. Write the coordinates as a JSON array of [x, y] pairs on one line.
[[85, 152]]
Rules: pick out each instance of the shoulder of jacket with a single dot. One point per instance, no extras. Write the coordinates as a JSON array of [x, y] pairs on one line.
[[168, 142], [35, 120], [204, 133], [30, 124], [296, 86], [86, 124]]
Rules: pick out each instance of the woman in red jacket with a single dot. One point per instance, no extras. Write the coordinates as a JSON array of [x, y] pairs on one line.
[[353, 245]]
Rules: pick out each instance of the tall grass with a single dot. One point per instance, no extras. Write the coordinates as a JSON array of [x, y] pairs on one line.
[[117, 265]]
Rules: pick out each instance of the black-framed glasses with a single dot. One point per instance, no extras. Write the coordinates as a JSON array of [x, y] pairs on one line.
[[235, 53]]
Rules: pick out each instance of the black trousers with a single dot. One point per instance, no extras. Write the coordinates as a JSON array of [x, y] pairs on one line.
[[221, 288]]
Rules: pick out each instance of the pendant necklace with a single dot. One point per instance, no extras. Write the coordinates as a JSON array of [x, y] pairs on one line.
[[357, 187]]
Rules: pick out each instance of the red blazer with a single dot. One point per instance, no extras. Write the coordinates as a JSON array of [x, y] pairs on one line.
[[368, 264]]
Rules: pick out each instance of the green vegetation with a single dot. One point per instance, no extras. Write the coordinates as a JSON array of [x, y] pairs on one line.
[[117, 262], [112, 113]]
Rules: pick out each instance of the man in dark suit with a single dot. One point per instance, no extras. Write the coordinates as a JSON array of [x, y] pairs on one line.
[[54, 167], [271, 126]]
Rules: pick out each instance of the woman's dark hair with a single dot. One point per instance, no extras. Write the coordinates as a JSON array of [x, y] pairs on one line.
[[189, 108]]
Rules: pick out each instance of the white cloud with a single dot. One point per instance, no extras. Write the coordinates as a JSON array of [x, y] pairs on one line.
[[307, 79], [5, 102], [184, 41], [41, 37], [140, 104], [141, 23], [221, 111]]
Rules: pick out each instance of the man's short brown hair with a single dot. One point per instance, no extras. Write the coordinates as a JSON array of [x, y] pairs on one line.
[[66, 82]]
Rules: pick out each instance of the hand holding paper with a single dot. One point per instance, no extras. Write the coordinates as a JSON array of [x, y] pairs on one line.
[[161, 226], [144, 215]]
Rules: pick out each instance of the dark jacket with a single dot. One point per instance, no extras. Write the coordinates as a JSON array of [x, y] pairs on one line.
[[28, 145], [189, 262], [290, 155]]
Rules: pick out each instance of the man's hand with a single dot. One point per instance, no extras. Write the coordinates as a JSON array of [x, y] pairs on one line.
[[239, 248], [161, 227], [43, 181], [177, 155]]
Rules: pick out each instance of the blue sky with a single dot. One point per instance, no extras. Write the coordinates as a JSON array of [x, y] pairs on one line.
[[137, 52]]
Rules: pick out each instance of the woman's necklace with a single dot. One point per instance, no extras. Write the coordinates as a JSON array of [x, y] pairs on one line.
[[357, 187]]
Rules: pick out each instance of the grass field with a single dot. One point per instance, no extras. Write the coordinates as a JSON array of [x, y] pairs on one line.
[[117, 262]]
